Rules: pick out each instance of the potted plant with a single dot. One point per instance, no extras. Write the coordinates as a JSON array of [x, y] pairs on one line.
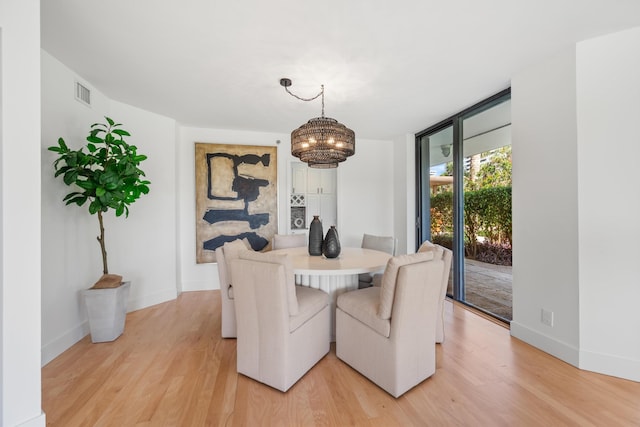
[[105, 176]]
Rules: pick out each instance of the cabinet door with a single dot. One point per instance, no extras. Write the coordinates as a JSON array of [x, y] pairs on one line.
[[323, 205], [321, 181], [313, 208], [298, 178], [328, 179]]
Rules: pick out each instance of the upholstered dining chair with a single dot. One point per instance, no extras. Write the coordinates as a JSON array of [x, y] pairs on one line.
[[284, 241], [387, 333], [283, 329], [440, 252], [386, 244], [224, 254]]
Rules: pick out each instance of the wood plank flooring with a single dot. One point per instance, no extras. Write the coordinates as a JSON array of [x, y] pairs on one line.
[[171, 368]]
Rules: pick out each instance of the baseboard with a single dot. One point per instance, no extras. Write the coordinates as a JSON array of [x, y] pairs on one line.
[[608, 364], [559, 349], [58, 346], [148, 300], [39, 421], [199, 285]]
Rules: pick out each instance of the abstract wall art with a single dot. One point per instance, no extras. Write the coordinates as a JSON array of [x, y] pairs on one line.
[[236, 196]]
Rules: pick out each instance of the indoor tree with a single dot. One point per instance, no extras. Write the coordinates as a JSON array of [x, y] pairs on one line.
[[106, 176]]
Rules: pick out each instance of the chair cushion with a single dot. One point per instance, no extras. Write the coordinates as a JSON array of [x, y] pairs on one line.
[[285, 261], [379, 243], [233, 248], [363, 306], [427, 246], [388, 286], [310, 302]]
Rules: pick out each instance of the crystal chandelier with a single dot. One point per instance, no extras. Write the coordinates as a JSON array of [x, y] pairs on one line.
[[322, 142]]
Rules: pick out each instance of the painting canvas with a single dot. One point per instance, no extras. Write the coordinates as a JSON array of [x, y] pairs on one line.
[[236, 196]]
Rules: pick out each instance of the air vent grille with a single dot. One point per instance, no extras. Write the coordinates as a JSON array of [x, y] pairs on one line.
[[83, 94]]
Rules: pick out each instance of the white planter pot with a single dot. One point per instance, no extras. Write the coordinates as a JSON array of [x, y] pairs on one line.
[[107, 311]]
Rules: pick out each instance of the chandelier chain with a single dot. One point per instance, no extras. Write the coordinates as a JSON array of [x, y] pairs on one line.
[[309, 99]]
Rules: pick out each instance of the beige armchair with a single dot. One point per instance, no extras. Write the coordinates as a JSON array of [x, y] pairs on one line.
[[440, 252], [386, 244], [283, 329], [224, 254], [387, 333]]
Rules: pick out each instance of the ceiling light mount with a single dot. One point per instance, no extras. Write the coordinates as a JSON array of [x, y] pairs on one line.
[[322, 142]]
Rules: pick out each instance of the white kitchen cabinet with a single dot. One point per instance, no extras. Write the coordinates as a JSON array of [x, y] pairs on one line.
[[321, 181], [323, 205], [314, 191], [298, 178]]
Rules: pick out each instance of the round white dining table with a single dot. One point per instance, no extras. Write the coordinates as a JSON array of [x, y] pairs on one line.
[[334, 275]]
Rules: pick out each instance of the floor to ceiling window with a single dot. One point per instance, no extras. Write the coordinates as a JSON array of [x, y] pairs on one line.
[[464, 201]]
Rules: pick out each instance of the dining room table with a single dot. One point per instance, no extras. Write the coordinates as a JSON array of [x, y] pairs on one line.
[[334, 275]]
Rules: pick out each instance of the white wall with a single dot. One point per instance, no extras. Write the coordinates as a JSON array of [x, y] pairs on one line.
[[404, 193], [363, 181], [545, 206], [365, 192], [20, 213], [608, 94], [575, 204], [142, 248]]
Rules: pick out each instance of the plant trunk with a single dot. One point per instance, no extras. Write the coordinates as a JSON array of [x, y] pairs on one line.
[[105, 269]]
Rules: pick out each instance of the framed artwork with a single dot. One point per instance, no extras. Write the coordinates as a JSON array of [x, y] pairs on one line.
[[236, 196]]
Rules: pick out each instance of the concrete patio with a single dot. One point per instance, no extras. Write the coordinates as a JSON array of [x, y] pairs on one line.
[[488, 287]]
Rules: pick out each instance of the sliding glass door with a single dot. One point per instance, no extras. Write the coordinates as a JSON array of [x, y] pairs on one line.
[[464, 201]]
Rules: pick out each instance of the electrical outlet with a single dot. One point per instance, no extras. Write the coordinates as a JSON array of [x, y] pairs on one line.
[[547, 317]]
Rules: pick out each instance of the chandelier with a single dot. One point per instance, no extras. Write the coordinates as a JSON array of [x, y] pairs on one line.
[[322, 142]]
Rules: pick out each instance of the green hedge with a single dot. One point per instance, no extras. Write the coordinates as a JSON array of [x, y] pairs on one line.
[[487, 213]]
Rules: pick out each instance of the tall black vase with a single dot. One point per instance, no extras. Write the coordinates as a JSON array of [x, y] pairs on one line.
[[315, 237], [331, 244]]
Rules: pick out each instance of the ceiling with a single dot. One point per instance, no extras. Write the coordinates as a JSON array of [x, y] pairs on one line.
[[389, 68]]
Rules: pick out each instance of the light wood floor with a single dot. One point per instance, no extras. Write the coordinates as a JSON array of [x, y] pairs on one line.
[[171, 368]]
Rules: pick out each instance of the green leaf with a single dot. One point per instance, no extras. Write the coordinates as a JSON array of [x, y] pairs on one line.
[[120, 209], [111, 122], [70, 195], [94, 207], [139, 158], [100, 191], [70, 177], [95, 139], [92, 148], [87, 185], [61, 171], [121, 132], [80, 200]]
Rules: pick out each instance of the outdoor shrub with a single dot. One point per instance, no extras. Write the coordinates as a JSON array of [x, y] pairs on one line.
[[487, 222]]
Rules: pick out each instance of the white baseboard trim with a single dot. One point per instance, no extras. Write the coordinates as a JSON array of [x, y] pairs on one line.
[[559, 349], [39, 421], [609, 364], [58, 346], [199, 285], [148, 300]]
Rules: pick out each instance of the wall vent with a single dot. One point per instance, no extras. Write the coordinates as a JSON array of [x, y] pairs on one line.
[[83, 94]]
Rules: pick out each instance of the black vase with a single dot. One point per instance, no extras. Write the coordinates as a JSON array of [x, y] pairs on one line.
[[331, 244], [315, 237]]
